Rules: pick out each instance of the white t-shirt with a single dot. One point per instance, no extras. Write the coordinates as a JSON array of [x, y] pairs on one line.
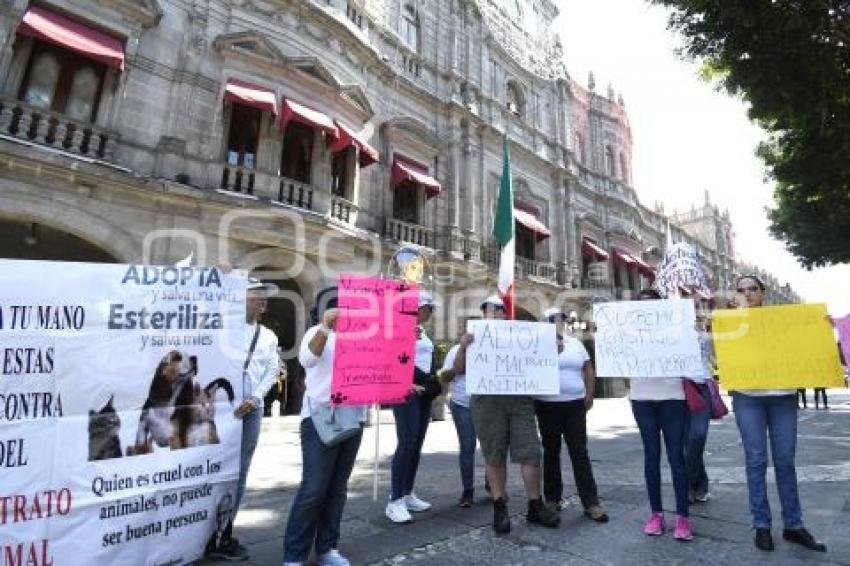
[[424, 352], [570, 363], [264, 366], [318, 372], [657, 389], [458, 384]]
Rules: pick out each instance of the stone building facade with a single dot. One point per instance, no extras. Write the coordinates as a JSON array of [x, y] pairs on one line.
[[311, 137]]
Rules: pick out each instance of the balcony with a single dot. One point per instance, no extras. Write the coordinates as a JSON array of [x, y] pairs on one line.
[[589, 283], [524, 267], [344, 210], [54, 130], [410, 233], [537, 269], [263, 185]]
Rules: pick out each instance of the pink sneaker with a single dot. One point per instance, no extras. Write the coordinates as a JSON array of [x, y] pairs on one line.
[[683, 530], [654, 526]]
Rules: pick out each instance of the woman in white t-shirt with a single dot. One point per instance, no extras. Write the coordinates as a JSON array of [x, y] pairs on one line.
[[462, 418], [658, 404], [767, 412], [564, 416]]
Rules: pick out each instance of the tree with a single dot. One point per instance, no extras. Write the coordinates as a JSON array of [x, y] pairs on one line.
[[790, 59]]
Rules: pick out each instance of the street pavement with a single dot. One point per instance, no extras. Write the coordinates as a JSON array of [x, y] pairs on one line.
[[448, 535]]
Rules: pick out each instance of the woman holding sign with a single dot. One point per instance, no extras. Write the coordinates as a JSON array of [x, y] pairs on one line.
[[563, 417], [760, 413], [411, 423], [316, 513], [658, 404]]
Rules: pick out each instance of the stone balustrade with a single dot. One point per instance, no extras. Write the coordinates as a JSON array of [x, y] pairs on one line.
[[55, 130], [407, 232]]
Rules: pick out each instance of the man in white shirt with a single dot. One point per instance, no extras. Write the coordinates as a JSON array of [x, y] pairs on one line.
[[260, 373]]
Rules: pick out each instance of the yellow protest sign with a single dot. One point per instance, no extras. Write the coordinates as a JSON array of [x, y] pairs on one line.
[[778, 347]]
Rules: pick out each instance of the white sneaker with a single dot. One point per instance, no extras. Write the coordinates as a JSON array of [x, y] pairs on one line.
[[414, 504], [397, 511], [333, 558]]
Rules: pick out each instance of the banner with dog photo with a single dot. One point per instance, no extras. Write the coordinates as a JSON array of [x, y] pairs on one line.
[[118, 383]]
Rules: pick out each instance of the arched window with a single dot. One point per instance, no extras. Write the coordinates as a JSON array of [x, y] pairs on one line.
[[42, 84], [410, 27], [610, 166], [514, 99], [83, 94], [624, 170]]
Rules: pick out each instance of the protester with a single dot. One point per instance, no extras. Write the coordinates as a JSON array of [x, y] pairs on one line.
[[563, 417], [699, 419], [459, 407], [658, 404], [506, 422], [411, 423], [316, 513], [820, 393], [259, 374], [801, 395], [774, 412]]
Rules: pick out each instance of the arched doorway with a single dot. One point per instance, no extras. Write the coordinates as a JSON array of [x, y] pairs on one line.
[[33, 240], [285, 316]]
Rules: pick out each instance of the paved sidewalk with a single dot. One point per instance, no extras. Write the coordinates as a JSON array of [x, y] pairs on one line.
[[448, 535]]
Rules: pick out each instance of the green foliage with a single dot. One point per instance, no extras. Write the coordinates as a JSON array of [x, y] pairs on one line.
[[790, 59]]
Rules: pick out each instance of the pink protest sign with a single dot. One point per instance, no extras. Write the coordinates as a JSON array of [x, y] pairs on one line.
[[843, 326], [375, 341]]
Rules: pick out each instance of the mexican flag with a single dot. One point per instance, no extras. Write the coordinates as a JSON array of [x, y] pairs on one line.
[[503, 230]]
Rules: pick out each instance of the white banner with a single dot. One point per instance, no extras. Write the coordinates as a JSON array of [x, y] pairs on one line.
[[117, 387], [509, 357], [647, 339]]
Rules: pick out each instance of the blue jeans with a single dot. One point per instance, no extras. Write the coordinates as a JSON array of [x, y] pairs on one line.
[[467, 440], [316, 512], [758, 417], [695, 445], [669, 417], [411, 424], [251, 425]]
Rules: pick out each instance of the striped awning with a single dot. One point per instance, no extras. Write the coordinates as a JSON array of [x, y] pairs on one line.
[[41, 23], [295, 112], [529, 221], [251, 95], [590, 249], [406, 171], [347, 138]]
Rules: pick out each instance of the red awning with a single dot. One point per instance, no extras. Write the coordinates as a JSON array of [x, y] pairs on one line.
[[292, 111], [623, 257], [251, 95], [406, 171], [347, 138], [590, 249], [45, 25], [529, 221], [643, 267]]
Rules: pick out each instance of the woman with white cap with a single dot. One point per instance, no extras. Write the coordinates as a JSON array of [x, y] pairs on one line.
[[564, 417], [411, 423]]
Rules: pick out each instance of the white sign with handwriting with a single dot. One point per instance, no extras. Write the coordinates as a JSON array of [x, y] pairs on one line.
[[509, 357], [647, 339]]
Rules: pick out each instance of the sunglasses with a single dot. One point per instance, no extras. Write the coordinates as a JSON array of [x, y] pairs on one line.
[[752, 289]]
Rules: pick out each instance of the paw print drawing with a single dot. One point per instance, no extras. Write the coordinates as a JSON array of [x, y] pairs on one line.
[[338, 398], [404, 358]]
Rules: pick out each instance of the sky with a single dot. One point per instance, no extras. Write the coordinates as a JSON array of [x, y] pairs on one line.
[[687, 137]]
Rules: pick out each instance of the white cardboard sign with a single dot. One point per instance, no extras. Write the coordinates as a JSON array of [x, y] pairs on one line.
[[509, 357], [647, 339]]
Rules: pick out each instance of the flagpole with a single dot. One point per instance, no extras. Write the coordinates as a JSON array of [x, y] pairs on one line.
[[377, 452]]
